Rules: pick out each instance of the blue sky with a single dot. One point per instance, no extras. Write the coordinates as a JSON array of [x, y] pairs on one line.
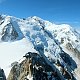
[[58, 11]]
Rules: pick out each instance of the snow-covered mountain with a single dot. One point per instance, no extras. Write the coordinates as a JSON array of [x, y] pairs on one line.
[[55, 43]]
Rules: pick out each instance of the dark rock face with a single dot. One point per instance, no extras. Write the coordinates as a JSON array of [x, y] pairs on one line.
[[74, 50], [2, 74], [9, 33], [34, 67]]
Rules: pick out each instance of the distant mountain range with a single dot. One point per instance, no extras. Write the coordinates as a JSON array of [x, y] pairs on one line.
[[57, 46]]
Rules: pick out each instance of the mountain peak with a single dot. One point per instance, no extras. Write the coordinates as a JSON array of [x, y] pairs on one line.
[[36, 17], [53, 42]]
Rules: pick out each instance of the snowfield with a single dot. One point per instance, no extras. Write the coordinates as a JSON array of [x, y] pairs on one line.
[[13, 51]]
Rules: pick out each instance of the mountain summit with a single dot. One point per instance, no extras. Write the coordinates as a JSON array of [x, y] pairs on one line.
[[57, 45]]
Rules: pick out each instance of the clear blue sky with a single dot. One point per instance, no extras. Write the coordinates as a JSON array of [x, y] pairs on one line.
[[58, 11]]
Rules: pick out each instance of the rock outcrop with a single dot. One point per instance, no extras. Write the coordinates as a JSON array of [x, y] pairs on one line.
[[2, 74], [33, 67]]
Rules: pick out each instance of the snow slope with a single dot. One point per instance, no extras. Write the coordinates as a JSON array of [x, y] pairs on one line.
[[13, 51]]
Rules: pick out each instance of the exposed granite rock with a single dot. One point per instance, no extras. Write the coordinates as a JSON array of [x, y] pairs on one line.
[[34, 67], [2, 74]]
